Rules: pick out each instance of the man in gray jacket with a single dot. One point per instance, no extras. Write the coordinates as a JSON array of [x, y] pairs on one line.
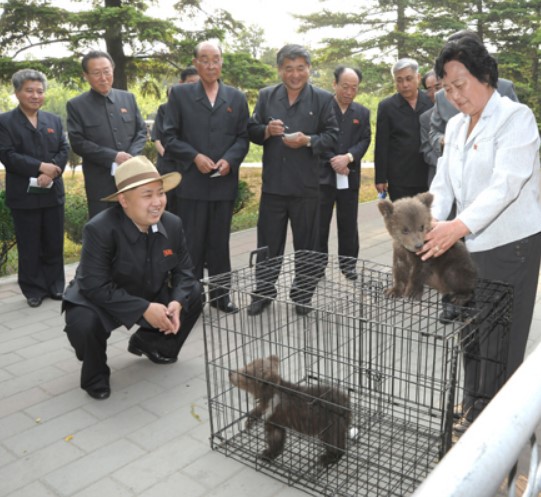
[[105, 128]]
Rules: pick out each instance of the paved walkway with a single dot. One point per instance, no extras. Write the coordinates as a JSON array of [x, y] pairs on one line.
[[151, 437]]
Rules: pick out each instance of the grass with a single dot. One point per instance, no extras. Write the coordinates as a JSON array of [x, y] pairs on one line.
[[247, 217], [244, 219]]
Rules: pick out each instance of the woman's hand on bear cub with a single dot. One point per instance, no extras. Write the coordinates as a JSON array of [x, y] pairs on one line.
[[442, 236]]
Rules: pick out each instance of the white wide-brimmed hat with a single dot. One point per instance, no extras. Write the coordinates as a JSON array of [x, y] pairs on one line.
[[138, 171]]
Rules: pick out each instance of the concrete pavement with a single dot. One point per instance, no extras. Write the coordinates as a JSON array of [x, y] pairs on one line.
[[151, 437]]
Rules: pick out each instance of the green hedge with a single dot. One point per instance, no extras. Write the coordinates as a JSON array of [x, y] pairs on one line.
[[7, 230], [76, 216]]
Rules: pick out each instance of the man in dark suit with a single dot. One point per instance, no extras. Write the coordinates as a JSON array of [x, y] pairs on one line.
[[205, 136], [400, 167], [105, 128], [34, 152], [340, 170], [295, 123], [164, 163], [135, 269]]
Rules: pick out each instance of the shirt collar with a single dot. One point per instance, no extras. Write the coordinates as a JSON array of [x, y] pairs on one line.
[[338, 110], [132, 231], [283, 94], [110, 96], [489, 109], [26, 121]]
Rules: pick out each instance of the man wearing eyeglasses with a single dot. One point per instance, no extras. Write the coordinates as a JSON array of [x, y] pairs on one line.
[[204, 133], [105, 128]]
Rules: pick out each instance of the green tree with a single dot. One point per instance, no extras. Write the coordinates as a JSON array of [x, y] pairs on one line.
[[382, 28], [514, 27], [250, 40], [242, 71], [137, 42]]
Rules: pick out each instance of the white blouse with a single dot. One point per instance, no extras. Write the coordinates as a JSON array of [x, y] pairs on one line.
[[493, 175]]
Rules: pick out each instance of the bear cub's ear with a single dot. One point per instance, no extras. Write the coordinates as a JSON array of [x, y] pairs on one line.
[[426, 198], [386, 208]]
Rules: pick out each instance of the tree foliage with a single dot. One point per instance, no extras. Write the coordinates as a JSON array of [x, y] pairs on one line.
[[137, 42], [385, 30]]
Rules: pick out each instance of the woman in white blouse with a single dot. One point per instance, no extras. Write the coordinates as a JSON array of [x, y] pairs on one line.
[[490, 168]]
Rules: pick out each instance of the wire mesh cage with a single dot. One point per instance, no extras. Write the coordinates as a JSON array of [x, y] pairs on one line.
[[398, 367]]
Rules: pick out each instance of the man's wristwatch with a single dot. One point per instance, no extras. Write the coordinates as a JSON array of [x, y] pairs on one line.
[[309, 144], [350, 157]]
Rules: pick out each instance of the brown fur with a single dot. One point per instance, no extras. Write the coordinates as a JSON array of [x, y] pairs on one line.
[[318, 410], [452, 274]]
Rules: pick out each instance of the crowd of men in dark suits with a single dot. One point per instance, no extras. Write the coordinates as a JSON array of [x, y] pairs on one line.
[[313, 143]]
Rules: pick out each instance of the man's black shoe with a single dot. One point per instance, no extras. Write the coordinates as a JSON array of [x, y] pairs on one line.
[[350, 274], [34, 301], [224, 305], [257, 306], [302, 310], [140, 347], [99, 393]]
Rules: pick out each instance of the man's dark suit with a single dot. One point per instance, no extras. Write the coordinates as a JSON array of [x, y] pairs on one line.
[[205, 204], [38, 217], [290, 189], [164, 164], [398, 160], [120, 273], [98, 128], [354, 138]]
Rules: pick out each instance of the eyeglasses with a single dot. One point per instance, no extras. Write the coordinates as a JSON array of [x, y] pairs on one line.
[[208, 63], [97, 74]]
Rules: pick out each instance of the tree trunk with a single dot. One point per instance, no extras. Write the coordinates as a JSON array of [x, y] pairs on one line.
[[401, 26], [480, 28], [115, 48], [535, 69]]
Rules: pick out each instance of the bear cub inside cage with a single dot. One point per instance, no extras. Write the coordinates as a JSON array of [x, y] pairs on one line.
[[319, 410]]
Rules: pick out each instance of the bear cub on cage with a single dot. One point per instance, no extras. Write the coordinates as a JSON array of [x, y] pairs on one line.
[[453, 274], [319, 410]]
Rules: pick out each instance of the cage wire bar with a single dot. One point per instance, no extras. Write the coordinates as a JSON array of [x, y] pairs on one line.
[[401, 367]]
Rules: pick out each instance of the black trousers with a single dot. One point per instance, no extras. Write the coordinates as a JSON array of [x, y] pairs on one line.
[[347, 207], [207, 226], [275, 211], [88, 337], [516, 263], [396, 192], [40, 246]]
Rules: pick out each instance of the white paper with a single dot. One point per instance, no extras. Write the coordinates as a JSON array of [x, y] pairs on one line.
[[113, 168], [342, 181], [34, 184]]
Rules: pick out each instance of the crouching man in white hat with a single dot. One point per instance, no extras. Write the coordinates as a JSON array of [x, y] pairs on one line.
[[135, 269]]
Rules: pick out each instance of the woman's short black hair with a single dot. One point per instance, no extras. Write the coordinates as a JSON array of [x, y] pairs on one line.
[[470, 51]]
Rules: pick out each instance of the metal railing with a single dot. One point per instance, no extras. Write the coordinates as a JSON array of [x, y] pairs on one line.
[[479, 462]]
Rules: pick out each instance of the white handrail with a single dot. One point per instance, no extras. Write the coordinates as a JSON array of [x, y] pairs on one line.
[[487, 452]]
